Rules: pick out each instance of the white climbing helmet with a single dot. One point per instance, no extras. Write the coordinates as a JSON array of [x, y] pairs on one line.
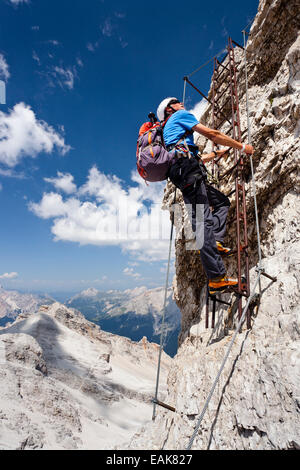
[[162, 107]]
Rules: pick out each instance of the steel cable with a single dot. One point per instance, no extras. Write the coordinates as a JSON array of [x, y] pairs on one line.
[[163, 315]]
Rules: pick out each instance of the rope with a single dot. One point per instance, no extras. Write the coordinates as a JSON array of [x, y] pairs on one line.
[[163, 317], [259, 270]]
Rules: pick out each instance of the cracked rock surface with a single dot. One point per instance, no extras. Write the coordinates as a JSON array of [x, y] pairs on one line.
[[256, 403]]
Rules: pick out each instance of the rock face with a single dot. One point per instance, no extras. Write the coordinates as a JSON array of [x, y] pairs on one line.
[[65, 384], [256, 403]]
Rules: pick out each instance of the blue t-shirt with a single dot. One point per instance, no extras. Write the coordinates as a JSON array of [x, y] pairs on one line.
[[177, 125]]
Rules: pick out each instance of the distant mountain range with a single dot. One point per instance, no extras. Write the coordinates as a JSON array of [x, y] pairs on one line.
[[133, 313], [12, 303]]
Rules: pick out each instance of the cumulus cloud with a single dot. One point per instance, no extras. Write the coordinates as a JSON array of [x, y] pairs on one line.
[[9, 275], [63, 182], [105, 211], [22, 134], [4, 72]]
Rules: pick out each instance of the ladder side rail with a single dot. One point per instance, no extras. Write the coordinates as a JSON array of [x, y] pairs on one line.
[[234, 136], [246, 254]]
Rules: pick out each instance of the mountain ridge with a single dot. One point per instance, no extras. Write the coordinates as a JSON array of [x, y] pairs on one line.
[[66, 384]]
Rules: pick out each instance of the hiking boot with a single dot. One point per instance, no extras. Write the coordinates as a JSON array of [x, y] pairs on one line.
[[222, 284], [223, 250]]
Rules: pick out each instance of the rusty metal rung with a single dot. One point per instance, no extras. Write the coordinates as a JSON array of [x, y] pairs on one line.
[[274, 279], [223, 58], [164, 405], [218, 110], [220, 63], [218, 85], [231, 193], [226, 101], [224, 91], [218, 75], [237, 44], [215, 299]]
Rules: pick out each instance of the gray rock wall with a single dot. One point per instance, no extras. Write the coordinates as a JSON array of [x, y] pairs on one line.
[[256, 404]]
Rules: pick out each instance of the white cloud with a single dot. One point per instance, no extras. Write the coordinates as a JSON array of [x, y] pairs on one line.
[[65, 77], [51, 205], [36, 57], [130, 272], [9, 275], [110, 28], [199, 108], [22, 134], [123, 43], [107, 27], [119, 14], [92, 47], [8, 172], [54, 42], [148, 250], [224, 30], [64, 182], [17, 2], [4, 72], [106, 212]]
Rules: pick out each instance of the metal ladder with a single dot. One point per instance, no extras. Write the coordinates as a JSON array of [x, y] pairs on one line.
[[225, 86]]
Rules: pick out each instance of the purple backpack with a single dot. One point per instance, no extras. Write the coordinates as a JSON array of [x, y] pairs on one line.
[[153, 160]]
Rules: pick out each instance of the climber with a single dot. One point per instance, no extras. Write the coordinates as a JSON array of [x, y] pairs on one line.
[[189, 175]]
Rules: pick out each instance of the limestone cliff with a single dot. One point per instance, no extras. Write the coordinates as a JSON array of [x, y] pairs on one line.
[[256, 404]]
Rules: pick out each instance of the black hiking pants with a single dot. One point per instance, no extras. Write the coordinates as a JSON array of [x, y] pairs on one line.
[[187, 175]]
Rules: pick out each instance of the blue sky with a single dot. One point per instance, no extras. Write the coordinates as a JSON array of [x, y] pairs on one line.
[[81, 77]]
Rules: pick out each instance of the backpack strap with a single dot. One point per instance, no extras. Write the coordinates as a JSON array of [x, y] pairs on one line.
[[187, 133]]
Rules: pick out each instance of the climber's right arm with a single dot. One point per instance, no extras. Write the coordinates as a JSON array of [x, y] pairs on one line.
[[221, 139]]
